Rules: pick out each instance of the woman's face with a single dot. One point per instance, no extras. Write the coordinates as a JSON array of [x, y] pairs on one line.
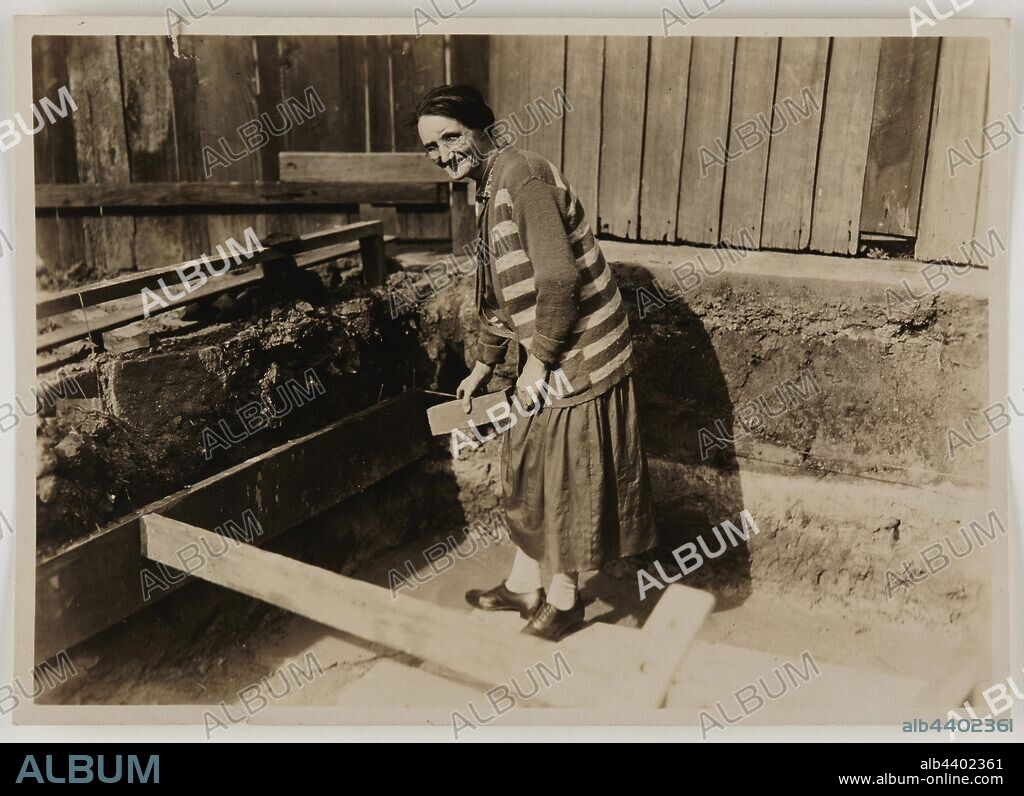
[[451, 145]]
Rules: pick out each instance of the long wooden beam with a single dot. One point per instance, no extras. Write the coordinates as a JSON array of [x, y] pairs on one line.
[[459, 642], [384, 168], [133, 283], [104, 321], [96, 582], [184, 195], [637, 674]]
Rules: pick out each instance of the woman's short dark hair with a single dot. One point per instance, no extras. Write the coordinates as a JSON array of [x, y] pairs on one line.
[[461, 102]]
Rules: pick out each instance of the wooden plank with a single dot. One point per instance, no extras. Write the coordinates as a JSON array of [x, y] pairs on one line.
[[227, 100], [753, 92], [625, 83], [102, 146], [460, 643], [374, 273], [314, 63], [202, 194], [352, 115], [949, 204], [60, 246], [380, 167], [524, 71], [95, 582], [448, 416], [152, 151], [793, 150], [417, 65], [390, 684], [845, 131], [581, 155], [129, 284], [469, 63], [539, 129], [509, 82], [707, 136], [669, 74], [188, 140], [470, 60], [381, 120], [904, 88], [463, 218]]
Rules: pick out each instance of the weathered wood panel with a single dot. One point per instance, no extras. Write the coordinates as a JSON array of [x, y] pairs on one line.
[[470, 61], [152, 146], [60, 245], [753, 92], [142, 195], [227, 100], [184, 80], [796, 123], [949, 203], [101, 147], [625, 92], [904, 90], [581, 154], [417, 65], [839, 185], [707, 137], [668, 76], [310, 73]]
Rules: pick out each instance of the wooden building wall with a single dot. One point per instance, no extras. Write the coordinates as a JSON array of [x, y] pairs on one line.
[[869, 158]]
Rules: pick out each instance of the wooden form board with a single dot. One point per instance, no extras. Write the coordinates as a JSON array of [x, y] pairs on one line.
[[129, 284], [371, 250], [96, 582], [470, 646]]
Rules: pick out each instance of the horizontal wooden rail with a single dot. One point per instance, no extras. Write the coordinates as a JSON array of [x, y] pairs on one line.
[[370, 247], [133, 283], [637, 675], [383, 168], [211, 194], [95, 582]]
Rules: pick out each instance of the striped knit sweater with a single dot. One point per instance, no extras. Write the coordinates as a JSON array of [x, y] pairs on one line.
[[553, 291]]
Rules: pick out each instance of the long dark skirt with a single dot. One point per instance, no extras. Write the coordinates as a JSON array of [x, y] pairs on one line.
[[575, 484]]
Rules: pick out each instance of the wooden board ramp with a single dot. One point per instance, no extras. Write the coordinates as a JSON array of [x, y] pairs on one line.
[[470, 646]]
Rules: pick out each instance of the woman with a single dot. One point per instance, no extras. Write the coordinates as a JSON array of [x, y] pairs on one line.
[[574, 477]]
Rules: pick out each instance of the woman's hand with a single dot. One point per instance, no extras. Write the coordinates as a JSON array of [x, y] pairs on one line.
[[470, 385], [534, 372]]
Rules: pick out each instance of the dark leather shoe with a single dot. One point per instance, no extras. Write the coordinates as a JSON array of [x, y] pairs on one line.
[[501, 599], [551, 624]]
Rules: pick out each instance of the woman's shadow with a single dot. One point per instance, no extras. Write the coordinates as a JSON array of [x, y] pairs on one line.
[[686, 419]]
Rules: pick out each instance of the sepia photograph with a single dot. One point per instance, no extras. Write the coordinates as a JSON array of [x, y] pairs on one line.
[[512, 372]]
